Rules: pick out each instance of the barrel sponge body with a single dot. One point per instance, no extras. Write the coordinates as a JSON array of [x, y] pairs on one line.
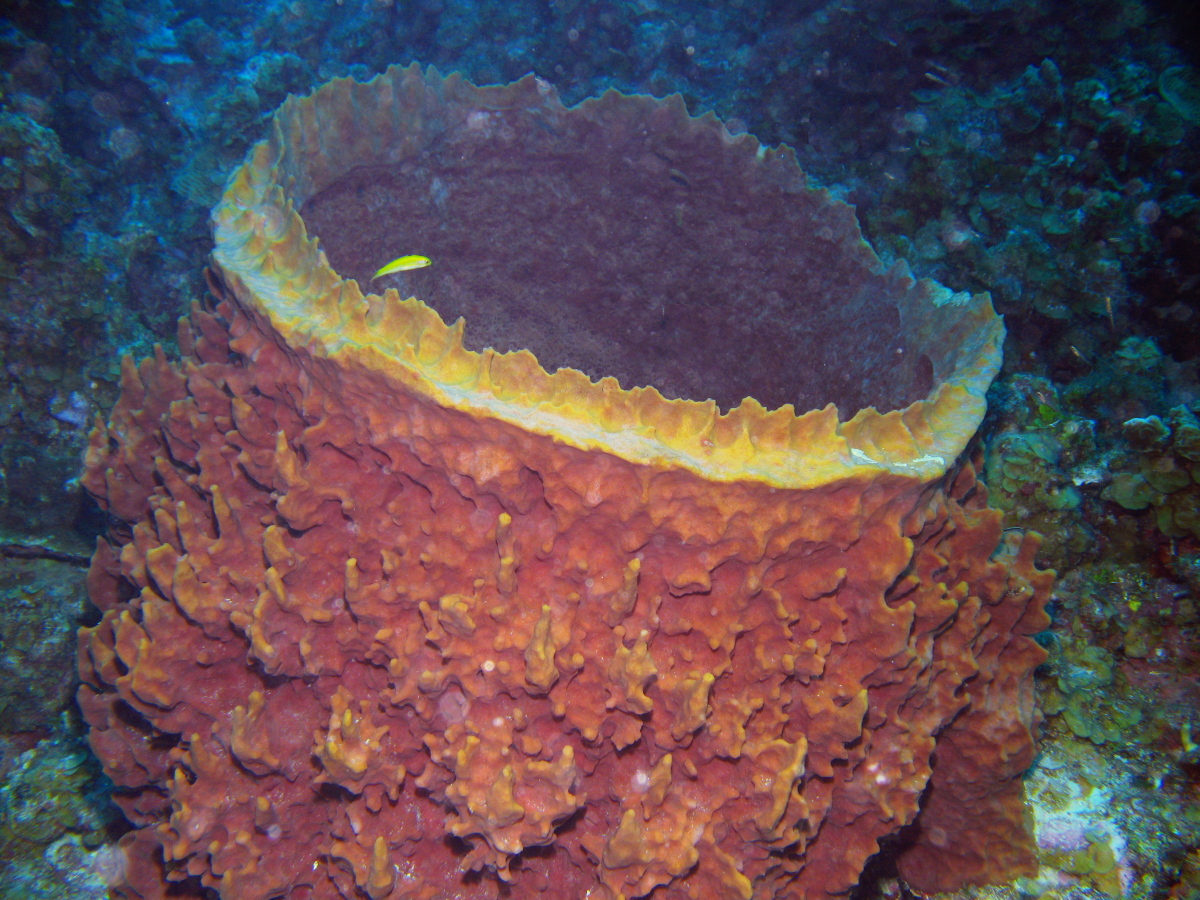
[[665, 568]]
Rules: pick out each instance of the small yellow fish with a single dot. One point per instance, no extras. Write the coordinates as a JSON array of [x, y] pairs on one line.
[[403, 264]]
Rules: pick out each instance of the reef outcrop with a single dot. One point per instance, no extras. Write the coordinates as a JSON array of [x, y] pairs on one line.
[[388, 616]]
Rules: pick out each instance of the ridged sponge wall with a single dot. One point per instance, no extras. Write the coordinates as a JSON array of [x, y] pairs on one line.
[[387, 617]]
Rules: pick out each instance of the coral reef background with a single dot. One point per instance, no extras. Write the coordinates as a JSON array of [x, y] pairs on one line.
[[1046, 152]]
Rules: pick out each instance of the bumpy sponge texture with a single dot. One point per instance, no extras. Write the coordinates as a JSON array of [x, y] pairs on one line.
[[384, 616]]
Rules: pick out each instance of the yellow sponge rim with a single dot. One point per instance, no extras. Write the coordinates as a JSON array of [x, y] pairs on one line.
[[272, 266]]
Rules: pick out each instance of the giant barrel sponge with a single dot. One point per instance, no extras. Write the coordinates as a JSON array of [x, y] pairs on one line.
[[667, 572]]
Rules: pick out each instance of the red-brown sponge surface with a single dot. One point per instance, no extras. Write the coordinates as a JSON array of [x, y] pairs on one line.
[[385, 617]]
